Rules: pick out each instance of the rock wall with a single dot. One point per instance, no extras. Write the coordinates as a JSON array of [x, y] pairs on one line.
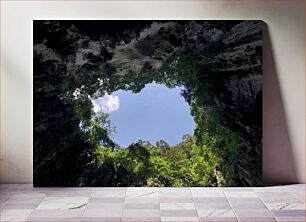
[[234, 51]]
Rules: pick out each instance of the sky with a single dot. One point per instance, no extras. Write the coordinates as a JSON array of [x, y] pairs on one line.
[[155, 113]]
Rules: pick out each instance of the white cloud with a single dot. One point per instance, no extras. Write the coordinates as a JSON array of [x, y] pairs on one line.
[[106, 104]]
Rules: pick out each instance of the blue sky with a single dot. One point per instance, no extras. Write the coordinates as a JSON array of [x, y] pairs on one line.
[[155, 113]]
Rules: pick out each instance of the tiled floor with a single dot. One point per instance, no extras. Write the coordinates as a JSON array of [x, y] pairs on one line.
[[22, 202]]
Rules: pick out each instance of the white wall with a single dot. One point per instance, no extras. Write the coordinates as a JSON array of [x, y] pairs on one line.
[[284, 79]]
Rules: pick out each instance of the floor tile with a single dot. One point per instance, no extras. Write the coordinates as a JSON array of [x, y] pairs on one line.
[[105, 200], [296, 186], [67, 193], [56, 213], [253, 219], [142, 213], [177, 206], [240, 189], [253, 213], [26, 194], [179, 213], [248, 206], [140, 219], [62, 203], [140, 192], [216, 213], [210, 200], [273, 197], [3, 200], [280, 200], [142, 200], [246, 200], [179, 219], [240, 194], [25, 200], [285, 206], [29, 187], [101, 219], [112, 194], [91, 205], [291, 219], [176, 200], [275, 189], [276, 194], [246, 203], [218, 219], [54, 219], [19, 206], [213, 205], [299, 195], [174, 189], [141, 206], [174, 193], [10, 186], [103, 213], [207, 193], [14, 214], [289, 213], [110, 189]]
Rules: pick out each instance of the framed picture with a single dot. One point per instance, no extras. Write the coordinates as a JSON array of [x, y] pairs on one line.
[[147, 103]]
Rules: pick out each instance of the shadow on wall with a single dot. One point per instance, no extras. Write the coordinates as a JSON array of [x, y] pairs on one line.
[[278, 160]]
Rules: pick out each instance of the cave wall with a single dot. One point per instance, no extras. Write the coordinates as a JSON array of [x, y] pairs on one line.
[[236, 77], [284, 155]]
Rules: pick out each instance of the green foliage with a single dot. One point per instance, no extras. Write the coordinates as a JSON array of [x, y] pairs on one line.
[[99, 130]]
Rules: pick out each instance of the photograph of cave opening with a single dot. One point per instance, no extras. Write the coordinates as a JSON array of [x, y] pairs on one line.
[[147, 103]]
